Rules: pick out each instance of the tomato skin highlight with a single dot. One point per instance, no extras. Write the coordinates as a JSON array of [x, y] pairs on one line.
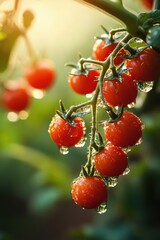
[[102, 49], [111, 161], [40, 75], [84, 84], [125, 132], [64, 134], [118, 93], [145, 67], [89, 192], [16, 99]]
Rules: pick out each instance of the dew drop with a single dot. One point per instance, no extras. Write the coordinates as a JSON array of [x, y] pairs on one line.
[[102, 208], [126, 171], [142, 126], [145, 86], [81, 143], [112, 181], [89, 95], [63, 150], [131, 105], [139, 142], [85, 109], [127, 150]]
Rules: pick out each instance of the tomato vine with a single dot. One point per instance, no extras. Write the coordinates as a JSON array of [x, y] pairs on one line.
[[122, 129]]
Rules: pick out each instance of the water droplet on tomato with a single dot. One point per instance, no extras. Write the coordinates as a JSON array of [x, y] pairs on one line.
[[139, 142], [126, 171], [131, 105], [81, 143], [142, 126], [145, 86], [127, 150], [63, 150], [112, 181], [102, 208]]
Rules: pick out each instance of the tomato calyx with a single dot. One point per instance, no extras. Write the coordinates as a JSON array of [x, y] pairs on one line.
[[109, 37], [116, 72]]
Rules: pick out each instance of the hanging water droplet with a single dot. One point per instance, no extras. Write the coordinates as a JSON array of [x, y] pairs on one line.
[[131, 105], [89, 95], [63, 150], [145, 86], [102, 208], [126, 171], [112, 181], [81, 143]]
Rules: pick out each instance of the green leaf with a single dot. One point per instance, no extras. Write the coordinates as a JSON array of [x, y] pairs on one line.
[[147, 19], [56, 172]]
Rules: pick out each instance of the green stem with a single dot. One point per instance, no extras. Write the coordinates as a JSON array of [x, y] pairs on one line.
[[116, 10]]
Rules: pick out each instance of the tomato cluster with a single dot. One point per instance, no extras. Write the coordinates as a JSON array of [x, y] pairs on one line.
[[16, 95], [114, 90]]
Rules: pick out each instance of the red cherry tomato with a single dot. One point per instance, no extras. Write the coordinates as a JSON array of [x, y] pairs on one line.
[[148, 4], [15, 99], [111, 161], [120, 93], [41, 75], [145, 67], [89, 192], [84, 84], [125, 132], [103, 48], [64, 134]]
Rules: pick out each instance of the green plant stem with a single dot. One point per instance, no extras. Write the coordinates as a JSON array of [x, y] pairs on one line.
[[116, 10], [29, 47]]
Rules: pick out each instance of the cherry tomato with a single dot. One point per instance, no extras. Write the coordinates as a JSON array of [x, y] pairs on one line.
[[111, 161], [120, 93], [148, 4], [145, 67], [84, 84], [125, 132], [63, 133], [103, 48], [89, 192], [15, 99], [40, 75]]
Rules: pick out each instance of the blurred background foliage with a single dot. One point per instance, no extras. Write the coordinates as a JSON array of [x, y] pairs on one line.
[[35, 201]]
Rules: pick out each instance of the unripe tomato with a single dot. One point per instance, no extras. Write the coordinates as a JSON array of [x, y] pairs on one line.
[[125, 132], [111, 161], [63, 133], [89, 192]]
